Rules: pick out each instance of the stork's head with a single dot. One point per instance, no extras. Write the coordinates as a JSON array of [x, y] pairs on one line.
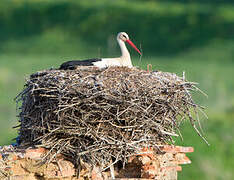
[[122, 36]]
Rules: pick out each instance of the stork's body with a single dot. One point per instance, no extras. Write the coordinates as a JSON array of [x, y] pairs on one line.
[[123, 60]]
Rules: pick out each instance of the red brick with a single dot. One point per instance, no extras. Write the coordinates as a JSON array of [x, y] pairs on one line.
[[145, 160], [185, 160], [169, 168], [148, 167], [17, 169], [177, 149], [147, 151], [66, 168], [24, 177], [179, 156], [167, 157], [35, 153], [150, 171], [178, 168], [96, 174], [52, 171], [186, 149]]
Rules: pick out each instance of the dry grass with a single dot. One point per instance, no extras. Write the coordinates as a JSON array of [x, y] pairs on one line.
[[100, 115]]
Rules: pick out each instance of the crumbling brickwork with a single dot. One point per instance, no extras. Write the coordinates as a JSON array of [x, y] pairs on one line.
[[25, 164]]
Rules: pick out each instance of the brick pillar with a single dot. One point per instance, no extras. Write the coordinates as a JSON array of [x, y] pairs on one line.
[[160, 164]]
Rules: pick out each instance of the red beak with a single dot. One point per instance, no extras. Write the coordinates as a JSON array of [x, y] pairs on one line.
[[133, 45]]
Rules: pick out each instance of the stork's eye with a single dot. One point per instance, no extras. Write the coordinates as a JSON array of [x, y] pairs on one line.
[[124, 36]]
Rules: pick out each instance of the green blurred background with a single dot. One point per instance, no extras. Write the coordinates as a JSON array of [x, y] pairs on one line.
[[195, 36]]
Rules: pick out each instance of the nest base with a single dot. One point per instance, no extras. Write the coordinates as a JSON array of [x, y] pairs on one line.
[[18, 163]]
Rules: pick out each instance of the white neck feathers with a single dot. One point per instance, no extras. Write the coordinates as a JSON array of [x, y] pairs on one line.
[[125, 56], [123, 60], [123, 49]]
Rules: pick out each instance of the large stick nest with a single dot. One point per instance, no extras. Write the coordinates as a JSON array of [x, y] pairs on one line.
[[101, 114]]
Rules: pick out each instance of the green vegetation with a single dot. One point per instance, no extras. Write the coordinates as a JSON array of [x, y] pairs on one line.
[[161, 27], [193, 37]]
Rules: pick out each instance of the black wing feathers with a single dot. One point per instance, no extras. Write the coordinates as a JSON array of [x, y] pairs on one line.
[[74, 63]]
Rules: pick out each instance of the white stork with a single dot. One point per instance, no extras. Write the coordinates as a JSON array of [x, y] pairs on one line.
[[123, 60]]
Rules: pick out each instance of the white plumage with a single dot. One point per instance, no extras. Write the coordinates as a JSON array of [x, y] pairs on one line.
[[123, 60]]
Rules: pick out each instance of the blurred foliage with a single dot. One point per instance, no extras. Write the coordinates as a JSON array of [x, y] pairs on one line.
[[163, 27], [192, 1], [214, 161]]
